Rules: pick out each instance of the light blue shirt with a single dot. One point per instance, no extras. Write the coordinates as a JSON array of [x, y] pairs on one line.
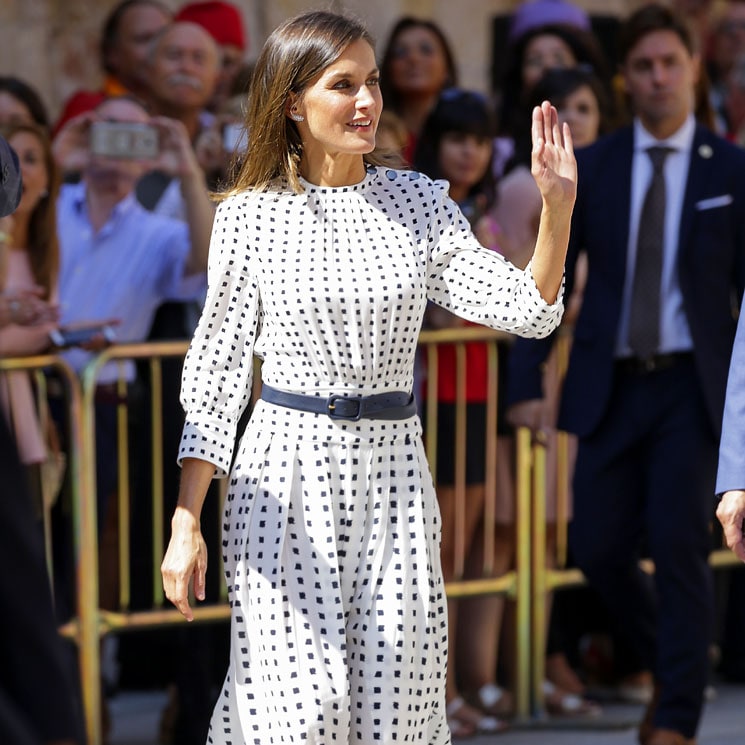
[[124, 271], [675, 334]]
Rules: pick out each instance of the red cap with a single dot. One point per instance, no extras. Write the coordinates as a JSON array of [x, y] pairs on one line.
[[221, 20]]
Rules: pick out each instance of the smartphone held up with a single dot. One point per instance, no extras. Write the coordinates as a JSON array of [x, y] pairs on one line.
[[80, 336], [124, 140]]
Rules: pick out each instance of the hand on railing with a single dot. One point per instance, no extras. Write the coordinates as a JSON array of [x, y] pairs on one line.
[[532, 414]]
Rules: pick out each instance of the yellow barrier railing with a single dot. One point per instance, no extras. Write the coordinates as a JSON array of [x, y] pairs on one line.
[[125, 618], [429, 343], [527, 584], [514, 584]]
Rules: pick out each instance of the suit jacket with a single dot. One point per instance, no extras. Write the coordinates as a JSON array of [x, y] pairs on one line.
[[731, 471], [10, 179], [711, 269]]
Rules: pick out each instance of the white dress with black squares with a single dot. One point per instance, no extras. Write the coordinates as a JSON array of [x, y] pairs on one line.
[[331, 528]]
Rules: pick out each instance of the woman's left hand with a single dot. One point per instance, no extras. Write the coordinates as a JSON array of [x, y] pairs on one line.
[[553, 165]]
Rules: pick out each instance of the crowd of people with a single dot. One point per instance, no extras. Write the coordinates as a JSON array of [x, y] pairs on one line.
[[113, 241]]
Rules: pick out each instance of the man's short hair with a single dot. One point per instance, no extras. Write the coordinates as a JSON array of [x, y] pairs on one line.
[[647, 20], [113, 21]]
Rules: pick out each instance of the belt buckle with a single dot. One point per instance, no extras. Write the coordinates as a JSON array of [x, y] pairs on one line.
[[331, 407]]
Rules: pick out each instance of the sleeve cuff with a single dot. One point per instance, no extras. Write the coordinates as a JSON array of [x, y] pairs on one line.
[[208, 438]]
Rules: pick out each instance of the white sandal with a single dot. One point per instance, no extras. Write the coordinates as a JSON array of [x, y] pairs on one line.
[[494, 700], [470, 725], [562, 704]]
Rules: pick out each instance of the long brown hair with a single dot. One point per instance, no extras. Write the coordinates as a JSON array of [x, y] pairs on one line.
[[43, 247], [293, 56]]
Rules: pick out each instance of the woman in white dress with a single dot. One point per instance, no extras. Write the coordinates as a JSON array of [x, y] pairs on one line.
[[321, 263]]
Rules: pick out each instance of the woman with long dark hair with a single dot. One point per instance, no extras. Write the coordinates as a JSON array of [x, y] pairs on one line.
[[417, 64], [32, 260]]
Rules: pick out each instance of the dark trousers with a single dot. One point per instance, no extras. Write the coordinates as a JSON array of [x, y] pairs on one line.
[[39, 698], [647, 473]]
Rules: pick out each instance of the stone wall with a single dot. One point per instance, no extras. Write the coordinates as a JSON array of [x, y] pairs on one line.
[[53, 44]]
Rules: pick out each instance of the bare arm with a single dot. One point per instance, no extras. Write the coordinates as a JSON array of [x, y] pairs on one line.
[[554, 169], [178, 159], [200, 212]]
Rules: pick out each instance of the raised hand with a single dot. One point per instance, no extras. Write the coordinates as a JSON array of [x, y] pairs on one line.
[[553, 165], [71, 145], [176, 156]]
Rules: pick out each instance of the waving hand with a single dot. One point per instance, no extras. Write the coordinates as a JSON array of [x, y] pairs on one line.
[[553, 165]]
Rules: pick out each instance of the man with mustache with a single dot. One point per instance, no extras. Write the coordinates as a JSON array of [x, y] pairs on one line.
[[183, 69], [184, 64]]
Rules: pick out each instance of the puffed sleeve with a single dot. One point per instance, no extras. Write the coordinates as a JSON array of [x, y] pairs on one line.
[[217, 376], [478, 284]]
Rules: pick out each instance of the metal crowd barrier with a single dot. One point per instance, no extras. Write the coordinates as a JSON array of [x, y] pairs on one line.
[[515, 583], [94, 622], [527, 584], [125, 618]]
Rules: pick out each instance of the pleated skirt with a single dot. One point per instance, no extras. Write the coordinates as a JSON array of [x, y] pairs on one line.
[[338, 609]]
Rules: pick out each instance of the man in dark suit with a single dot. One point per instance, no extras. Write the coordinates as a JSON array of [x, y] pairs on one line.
[[36, 700], [647, 374]]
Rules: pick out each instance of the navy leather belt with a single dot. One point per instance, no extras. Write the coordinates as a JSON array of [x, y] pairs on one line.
[[393, 405], [655, 363]]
